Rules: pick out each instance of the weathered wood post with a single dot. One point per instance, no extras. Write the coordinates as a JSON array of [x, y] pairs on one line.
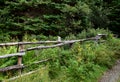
[[19, 60], [59, 39], [21, 48], [97, 38]]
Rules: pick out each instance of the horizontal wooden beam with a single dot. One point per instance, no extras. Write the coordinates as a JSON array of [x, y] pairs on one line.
[[11, 55], [45, 60], [26, 43], [39, 42], [60, 44], [11, 68], [21, 66], [25, 74]]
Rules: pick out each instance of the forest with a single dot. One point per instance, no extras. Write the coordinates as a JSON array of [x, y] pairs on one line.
[[41, 20], [56, 17]]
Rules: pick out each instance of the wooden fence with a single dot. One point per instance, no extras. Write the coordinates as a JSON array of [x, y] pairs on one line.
[[21, 50]]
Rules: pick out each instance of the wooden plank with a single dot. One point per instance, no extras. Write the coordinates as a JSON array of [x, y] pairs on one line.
[[11, 68], [11, 55]]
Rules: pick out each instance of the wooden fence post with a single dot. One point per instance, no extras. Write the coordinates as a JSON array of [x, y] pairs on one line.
[[59, 38], [21, 48], [19, 60]]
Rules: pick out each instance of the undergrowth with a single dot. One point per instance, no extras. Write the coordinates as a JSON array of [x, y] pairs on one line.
[[79, 62]]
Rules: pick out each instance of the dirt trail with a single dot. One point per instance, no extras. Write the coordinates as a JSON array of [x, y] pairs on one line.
[[112, 75]]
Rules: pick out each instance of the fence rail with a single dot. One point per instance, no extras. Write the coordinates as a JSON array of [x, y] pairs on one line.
[[21, 51], [11, 55], [44, 42], [26, 43], [11, 68]]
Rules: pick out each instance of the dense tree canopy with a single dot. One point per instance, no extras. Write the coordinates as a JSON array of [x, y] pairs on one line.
[[114, 17], [56, 17]]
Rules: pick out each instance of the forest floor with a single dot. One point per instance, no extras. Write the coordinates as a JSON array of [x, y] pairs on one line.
[[112, 75]]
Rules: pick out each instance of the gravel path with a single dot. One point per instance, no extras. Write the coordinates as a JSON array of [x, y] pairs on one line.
[[112, 75]]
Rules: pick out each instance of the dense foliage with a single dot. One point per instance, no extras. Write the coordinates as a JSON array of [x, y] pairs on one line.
[[114, 17], [71, 63], [33, 20], [56, 17]]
